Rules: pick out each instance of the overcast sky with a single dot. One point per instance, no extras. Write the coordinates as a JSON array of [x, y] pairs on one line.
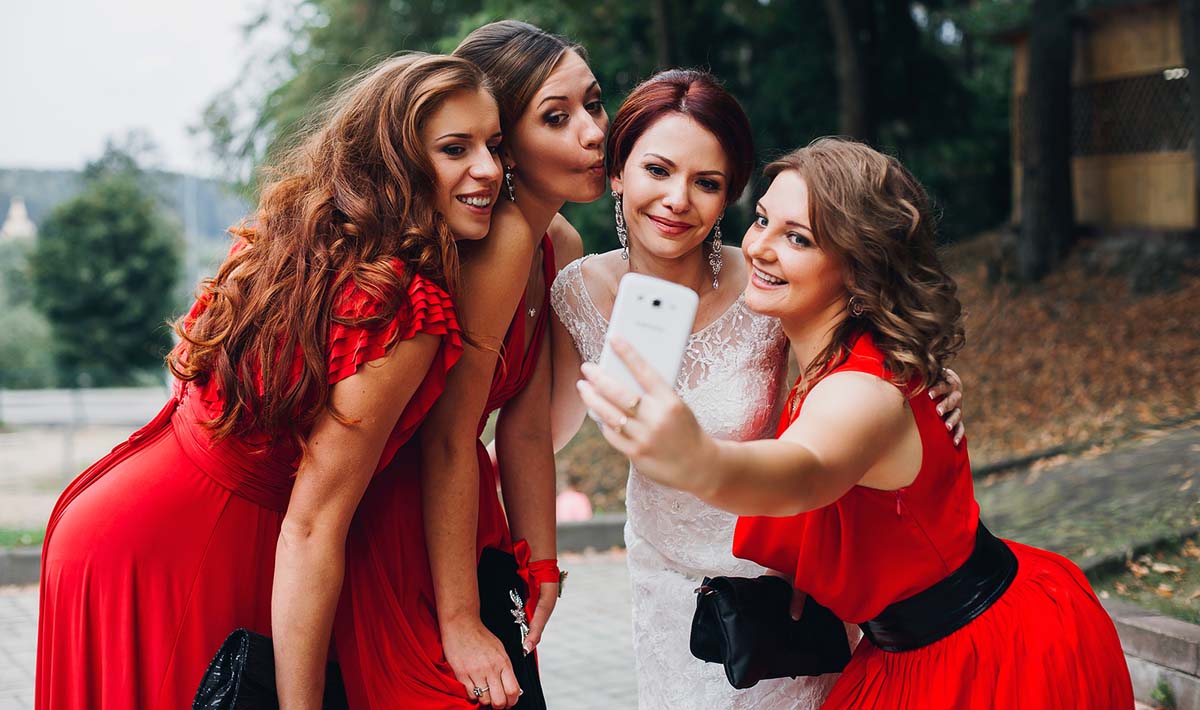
[[75, 72]]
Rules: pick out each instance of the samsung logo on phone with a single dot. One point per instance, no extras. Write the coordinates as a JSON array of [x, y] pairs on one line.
[[649, 326]]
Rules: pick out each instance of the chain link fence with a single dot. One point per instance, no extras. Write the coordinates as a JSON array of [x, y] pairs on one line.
[[1151, 113]]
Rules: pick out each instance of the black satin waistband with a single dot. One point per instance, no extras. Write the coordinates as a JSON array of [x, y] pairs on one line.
[[949, 605]]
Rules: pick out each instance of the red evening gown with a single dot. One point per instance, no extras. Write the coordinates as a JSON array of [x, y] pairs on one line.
[[386, 633], [160, 549], [1046, 643]]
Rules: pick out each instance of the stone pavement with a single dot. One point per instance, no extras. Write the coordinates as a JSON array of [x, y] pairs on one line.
[[18, 643], [586, 654]]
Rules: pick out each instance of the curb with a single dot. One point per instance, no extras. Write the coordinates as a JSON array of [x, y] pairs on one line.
[[20, 565], [1115, 561], [1159, 650], [604, 531], [1072, 449]]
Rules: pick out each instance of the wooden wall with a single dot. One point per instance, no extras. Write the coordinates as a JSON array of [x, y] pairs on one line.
[[1149, 190]]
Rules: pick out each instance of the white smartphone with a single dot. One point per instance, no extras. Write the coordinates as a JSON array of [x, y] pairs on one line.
[[655, 317]]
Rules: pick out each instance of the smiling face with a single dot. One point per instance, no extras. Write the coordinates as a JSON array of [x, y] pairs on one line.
[[673, 186], [462, 140], [791, 277], [557, 145]]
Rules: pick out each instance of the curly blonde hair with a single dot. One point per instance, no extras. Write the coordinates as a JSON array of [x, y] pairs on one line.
[[870, 213]]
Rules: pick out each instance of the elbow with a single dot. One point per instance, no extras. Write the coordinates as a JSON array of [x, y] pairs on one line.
[[308, 532]]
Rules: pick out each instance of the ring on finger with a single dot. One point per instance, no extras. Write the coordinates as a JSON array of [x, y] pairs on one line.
[[633, 408], [478, 692], [620, 425]]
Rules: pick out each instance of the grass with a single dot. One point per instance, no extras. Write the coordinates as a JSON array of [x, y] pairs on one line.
[[1166, 581], [21, 537]]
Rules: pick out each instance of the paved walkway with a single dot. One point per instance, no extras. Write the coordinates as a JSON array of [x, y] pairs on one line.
[[586, 655]]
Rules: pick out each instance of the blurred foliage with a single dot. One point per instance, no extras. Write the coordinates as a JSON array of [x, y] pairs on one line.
[[26, 347], [939, 84], [103, 271]]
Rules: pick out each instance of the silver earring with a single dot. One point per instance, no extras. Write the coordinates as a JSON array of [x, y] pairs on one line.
[[508, 182], [622, 233], [856, 307], [714, 259]]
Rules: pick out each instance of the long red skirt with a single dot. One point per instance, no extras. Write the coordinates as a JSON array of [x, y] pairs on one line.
[[1046, 644], [147, 575]]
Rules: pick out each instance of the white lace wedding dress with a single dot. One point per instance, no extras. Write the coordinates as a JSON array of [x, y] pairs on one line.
[[731, 377]]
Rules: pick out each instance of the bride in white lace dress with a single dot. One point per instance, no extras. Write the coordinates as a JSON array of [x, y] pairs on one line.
[[679, 151], [679, 169]]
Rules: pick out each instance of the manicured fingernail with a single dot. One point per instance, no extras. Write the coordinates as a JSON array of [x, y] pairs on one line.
[[939, 410], [949, 426], [931, 394]]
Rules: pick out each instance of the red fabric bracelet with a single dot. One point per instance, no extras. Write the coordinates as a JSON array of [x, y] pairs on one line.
[[544, 571]]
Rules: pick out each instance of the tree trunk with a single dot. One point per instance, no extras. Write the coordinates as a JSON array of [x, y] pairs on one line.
[[1189, 23], [854, 115], [1047, 206], [665, 50]]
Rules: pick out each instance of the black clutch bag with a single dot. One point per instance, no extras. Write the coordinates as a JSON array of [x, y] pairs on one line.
[[744, 625], [502, 595], [242, 677]]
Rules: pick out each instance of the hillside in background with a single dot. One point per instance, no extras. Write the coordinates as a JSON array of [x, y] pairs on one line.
[[204, 208]]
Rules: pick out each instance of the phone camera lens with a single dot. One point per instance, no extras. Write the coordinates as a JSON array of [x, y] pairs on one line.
[[656, 302]]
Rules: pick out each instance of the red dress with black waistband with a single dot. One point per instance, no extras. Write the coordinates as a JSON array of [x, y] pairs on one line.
[[160, 549], [386, 633], [1045, 644]]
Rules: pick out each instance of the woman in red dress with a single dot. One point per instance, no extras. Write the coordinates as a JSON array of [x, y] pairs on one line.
[[304, 366], [408, 632], [872, 508]]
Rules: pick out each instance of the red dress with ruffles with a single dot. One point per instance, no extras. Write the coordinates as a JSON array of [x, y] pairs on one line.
[[386, 633], [1045, 644], [160, 549]]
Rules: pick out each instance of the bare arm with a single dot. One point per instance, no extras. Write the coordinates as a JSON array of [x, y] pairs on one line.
[[851, 423], [526, 462], [494, 274], [566, 409], [310, 554]]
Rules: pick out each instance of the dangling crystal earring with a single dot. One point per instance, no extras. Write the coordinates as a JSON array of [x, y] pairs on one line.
[[622, 233], [714, 259], [508, 182]]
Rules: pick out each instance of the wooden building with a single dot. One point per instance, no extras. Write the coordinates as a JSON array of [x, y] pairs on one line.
[[1133, 163]]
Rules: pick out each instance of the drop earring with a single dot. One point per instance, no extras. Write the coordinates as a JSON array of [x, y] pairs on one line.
[[715, 260], [622, 233], [508, 183]]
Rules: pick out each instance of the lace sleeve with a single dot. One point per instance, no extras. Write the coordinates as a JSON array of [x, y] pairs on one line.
[[576, 311]]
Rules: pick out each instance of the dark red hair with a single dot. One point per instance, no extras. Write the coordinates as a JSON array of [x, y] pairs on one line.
[[697, 95]]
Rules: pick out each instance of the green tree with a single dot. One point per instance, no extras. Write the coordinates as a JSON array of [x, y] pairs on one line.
[[26, 348], [924, 85], [103, 273]]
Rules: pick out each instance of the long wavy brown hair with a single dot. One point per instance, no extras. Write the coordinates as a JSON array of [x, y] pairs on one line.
[[356, 192], [874, 217]]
